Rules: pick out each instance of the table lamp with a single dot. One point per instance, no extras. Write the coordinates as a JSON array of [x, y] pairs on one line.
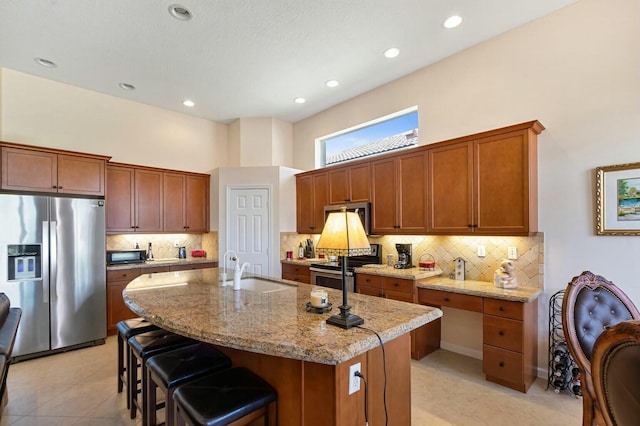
[[344, 235]]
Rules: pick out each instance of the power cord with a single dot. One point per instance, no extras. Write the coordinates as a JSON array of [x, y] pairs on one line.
[[366, 410], [384, 369]]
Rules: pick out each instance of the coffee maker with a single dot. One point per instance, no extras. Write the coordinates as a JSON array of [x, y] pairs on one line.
[[404, 256]]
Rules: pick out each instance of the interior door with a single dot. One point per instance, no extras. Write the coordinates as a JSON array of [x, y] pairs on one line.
[[248, 224]]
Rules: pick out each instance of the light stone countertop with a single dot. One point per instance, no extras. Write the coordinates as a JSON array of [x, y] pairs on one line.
[[480, 288], [390, 271], [162, 262], [195, 304]]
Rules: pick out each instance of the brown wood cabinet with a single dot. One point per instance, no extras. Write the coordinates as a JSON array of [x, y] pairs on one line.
[[425, 339], [510, 329], [52, 171], [350, 184], [293, 272], [143, 199], [312, 194], [134, 200], [185, 203], [486, 185], [399, 194]]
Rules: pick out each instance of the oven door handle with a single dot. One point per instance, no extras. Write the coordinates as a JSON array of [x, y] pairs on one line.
[[329, 271]]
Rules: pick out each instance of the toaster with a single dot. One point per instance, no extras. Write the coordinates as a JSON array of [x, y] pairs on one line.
[[198, 253]]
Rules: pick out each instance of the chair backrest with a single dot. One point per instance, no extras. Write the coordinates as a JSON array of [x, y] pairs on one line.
[[590, 304], [616, 369]]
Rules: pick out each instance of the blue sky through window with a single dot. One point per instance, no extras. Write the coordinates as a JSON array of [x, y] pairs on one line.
[[374, 132]]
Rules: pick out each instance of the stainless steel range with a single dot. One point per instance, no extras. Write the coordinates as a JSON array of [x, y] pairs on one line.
[[329, 274]]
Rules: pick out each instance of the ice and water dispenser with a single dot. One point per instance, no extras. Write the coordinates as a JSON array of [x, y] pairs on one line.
[[24, 262]]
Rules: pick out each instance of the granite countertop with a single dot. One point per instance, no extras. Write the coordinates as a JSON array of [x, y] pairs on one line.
[[161, 262], [195, 304], [390, 271], [305, 261], [480, 288]]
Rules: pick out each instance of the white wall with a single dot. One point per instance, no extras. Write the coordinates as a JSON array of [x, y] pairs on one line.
[[578, 72], [36, 111]]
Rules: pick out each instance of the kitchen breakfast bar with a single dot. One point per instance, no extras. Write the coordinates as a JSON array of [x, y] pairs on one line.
[[266, 327]]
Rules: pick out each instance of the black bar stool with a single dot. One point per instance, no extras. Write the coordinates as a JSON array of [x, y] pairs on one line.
[[126, 329], [141, 347], [234, 396], [170, 369]]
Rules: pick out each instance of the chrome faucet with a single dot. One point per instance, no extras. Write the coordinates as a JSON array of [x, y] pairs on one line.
[[223, 275], [237, 274]]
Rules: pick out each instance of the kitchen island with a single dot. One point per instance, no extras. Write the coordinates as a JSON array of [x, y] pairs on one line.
[[270, 331]]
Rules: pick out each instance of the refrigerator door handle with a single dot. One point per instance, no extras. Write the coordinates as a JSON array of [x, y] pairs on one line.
[[45, 262], [53, 258]]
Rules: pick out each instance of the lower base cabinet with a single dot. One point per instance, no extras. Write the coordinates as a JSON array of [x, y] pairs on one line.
[[298, 273], [425, 339], [117, 280], [509, 335]]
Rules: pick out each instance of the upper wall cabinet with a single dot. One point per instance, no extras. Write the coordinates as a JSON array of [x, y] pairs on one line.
[[399, 194], [143, 199], [350, 184], [51, 171], [186, 201], [312, 194], [486, 185]]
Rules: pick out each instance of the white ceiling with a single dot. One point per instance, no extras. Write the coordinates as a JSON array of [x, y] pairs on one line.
[[245, 58]]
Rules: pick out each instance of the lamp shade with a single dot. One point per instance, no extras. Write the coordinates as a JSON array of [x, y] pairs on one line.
[[344, 235]]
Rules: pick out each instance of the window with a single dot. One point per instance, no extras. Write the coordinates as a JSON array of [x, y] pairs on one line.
[[398, 131]]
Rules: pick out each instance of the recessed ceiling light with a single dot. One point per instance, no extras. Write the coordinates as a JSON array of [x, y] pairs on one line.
[[392, 53], [188, 103], [332, 83], [299, 100], [127, 86], [180, 12], [452, 21], [45, 62]]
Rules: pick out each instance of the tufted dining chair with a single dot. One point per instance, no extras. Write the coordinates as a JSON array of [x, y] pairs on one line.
[[590, 304], [615, 366]]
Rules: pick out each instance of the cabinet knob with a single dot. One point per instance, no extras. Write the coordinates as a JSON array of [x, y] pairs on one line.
[[501, 333], [501, 363], [381, 294], [446, 299], [501, 308], [59, 187], [54, 187], [396, 284]]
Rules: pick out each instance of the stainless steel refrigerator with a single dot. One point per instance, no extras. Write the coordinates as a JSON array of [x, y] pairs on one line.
[[52, 265]]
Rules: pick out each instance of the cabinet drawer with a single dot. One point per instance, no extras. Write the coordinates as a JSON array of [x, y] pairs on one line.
[[452, 300], [503, 308], [123, 274], [290, 269], [502, 364], [155, 269], [398, 285], [190, 267], [367, 280], [396, 295], [502, 333], [370, 291]]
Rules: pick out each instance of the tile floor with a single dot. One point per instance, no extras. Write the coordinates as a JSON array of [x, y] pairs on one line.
[[79, 388]]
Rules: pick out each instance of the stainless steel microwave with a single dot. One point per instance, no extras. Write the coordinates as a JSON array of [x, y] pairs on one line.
[[363, 210], [119, 257]]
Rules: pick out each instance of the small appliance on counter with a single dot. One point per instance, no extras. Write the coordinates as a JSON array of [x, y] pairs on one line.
[[404, 256], [122, 257], [182, 253], [198, 253]]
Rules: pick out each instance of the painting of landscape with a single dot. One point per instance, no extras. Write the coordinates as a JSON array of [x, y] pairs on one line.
[[629, 199]]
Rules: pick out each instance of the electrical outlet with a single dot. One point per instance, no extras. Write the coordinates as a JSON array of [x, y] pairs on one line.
[[482, 251], [512, 253], [354, 381], [176, 243]]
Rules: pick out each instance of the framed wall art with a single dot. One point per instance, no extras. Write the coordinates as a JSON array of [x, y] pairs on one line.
[[618, 199]]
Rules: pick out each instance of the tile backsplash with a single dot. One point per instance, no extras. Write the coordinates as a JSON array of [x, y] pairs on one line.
[[444, 249], [163, 244]]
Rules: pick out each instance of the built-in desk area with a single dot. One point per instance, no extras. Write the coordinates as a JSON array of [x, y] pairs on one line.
[[509, 325]]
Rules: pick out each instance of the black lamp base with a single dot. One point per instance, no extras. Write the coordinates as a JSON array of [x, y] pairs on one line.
[[345, 320]]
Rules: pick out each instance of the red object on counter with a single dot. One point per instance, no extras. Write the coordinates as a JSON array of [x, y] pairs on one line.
[[198, 253]]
